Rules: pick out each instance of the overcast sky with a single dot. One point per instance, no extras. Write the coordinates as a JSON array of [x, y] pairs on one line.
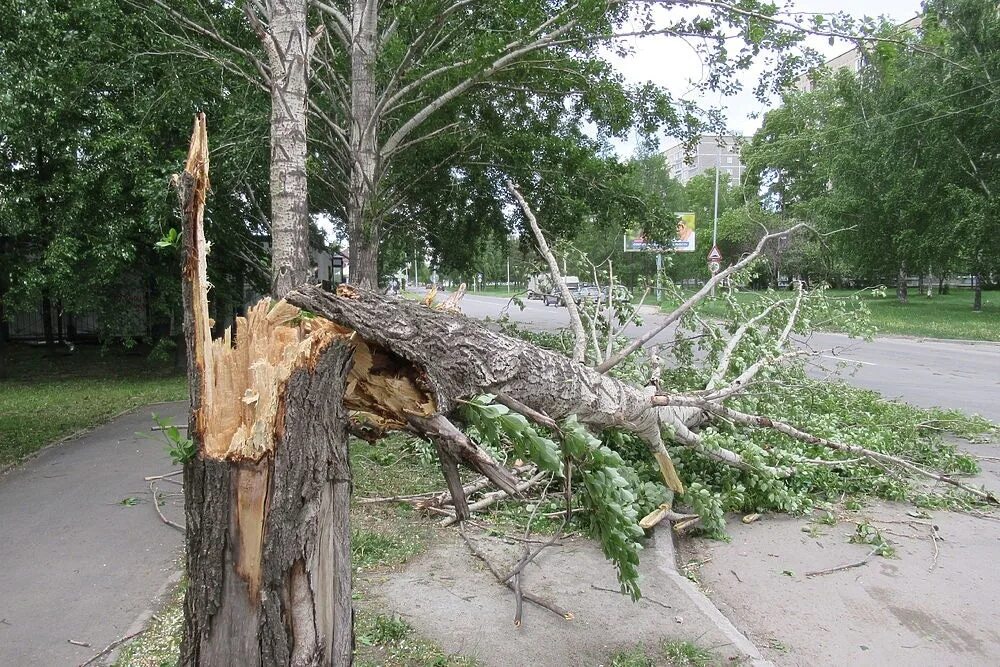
[[671, 63]]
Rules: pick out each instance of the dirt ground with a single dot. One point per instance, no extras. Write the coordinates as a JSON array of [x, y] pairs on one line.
[[936, 602], [449, 597]]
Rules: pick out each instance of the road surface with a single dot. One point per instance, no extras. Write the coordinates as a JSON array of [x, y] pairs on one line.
[[924, 372]]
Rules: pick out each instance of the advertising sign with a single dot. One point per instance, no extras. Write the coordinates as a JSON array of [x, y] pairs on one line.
[[636, 241]]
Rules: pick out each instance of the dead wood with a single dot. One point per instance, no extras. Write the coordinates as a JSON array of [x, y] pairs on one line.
[[541, 602], [454, 359], [841, 568], [156, 506], [491, 499]]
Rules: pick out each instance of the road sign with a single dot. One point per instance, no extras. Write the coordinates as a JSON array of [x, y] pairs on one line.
[[715, 255], [714, 267]]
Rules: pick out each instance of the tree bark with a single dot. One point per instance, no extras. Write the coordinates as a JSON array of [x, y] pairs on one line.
[[456, 358], [977, 292], [50, 340], [4, 326], [268, 542], [267, 495], [901, 292], [287, 44], [363, 228]]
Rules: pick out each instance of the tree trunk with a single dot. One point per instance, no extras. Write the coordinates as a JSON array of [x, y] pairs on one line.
[[287, 46], [363, 228], [977, 292], [59, 322], [901, 292], [267, 496], [50, 340], [4, 326], [489, 362]]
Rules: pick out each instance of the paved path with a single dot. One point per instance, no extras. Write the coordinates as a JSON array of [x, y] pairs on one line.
[[924, 372], [934, 604], [75, 562]]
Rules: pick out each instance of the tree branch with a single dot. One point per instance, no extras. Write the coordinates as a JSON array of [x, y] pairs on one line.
[[694, 300], [579, 336]]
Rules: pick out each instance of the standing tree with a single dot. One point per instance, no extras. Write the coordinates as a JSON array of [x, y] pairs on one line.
[[410, 95]]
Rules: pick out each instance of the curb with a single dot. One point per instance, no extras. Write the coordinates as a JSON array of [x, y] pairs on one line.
[[667, 564]]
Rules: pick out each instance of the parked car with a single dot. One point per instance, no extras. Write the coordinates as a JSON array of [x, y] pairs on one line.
[[552, 299], [589, 292]]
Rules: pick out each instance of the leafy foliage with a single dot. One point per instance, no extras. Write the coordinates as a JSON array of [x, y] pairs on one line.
[[180, 447], [496, 425], [903, 152]]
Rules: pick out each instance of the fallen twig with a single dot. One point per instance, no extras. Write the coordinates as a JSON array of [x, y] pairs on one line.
[[112, 646], [169, 474], [492, 498], [644, 598], [840, 568], [440, 497], [541, 602], [530, 556], [518, 600], [156, 506], [76, 643]]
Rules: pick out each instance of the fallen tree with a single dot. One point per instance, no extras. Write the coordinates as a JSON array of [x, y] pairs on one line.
[[267, 496]]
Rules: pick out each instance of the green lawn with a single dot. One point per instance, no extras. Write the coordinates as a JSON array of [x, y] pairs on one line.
[[945, 316], [501, 291], [46, 396]]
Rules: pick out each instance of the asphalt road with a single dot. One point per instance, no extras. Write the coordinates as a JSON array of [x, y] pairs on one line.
[[82, 551], [923, 372]]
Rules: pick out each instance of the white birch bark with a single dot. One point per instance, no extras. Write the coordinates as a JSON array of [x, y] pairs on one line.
[[286, 41]]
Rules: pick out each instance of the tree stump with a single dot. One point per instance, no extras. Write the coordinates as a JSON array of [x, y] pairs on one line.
[[267, 497]]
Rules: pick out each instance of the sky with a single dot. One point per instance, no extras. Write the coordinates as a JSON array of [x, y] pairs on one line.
[[671, 63]]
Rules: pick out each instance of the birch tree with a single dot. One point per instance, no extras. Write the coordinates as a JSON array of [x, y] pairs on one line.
[[392, 80]]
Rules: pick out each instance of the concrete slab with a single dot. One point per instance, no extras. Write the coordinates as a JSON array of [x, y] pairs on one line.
[[448, 596], [75, 562], [915, 609]]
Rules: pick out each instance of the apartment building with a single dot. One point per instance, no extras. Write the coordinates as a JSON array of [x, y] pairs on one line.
[[852, 59], [712, 150]]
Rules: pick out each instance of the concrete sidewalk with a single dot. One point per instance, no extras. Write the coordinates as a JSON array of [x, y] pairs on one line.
[[76, 562], [450, 597], [935, 603]]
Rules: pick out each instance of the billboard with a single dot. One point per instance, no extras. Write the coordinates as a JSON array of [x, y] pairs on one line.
[[635, 240]]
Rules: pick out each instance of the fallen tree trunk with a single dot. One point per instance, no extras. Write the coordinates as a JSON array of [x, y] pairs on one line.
[[457, 358], [267, 496]]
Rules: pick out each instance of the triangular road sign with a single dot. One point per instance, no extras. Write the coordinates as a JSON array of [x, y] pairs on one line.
[[715, 255]]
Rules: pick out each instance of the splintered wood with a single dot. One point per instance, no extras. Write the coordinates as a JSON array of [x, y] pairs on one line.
[[243, 380], [240, 411]]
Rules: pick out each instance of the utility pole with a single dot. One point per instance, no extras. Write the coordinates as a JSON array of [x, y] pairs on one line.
[[659, 271], [715, 218]]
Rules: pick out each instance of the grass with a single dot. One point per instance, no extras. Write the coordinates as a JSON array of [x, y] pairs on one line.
[[389, 641], [501, 291], [675, 653], [943, 316], [48, 396]]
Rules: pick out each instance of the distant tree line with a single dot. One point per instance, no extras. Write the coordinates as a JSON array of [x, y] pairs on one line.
[[903, 156]]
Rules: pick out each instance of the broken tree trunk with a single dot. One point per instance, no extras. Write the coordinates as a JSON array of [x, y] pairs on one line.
[[456, 358], [267, 497]]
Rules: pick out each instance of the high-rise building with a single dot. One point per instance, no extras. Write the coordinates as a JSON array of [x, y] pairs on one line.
[[713, 150], [854, 59]]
